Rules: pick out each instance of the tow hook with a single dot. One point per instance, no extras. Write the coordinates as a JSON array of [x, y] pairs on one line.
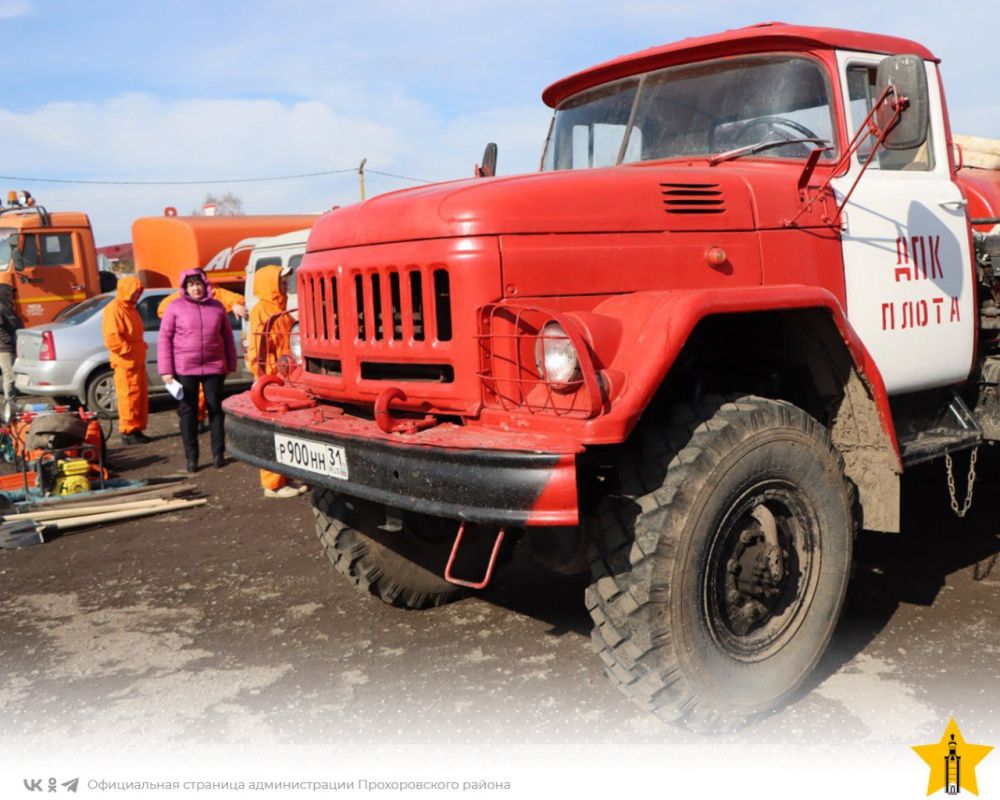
[[271, 394], [489, 567], [390, 424]]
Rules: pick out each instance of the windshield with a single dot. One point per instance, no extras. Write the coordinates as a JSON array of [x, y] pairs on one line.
[[81, 312], [695, 110], [8, 240]]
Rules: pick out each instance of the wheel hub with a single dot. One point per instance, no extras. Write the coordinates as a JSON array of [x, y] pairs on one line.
[[756, 574], [757, 570]]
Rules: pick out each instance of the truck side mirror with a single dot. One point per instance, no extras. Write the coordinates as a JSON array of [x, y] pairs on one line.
[[17, 258], [909, 77], [489, 167]]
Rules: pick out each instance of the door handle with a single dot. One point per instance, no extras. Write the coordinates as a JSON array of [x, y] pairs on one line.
[[954, 204], [77, 287]]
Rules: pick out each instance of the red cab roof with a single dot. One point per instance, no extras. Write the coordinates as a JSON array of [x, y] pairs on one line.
[[765, 37]]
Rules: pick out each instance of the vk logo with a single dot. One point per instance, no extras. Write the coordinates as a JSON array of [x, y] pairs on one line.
[[39, 785]]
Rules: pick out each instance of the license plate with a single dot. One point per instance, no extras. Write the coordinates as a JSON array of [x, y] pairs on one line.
[[21, 380], [323, 459]]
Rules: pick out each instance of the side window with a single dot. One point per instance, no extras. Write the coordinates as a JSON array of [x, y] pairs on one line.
[[30, 251], [861, 95], [293, 264], [269, 261], [147, 310], [57, 249]]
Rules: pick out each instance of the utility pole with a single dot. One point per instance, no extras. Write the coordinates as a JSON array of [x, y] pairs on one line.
[[361, 176]]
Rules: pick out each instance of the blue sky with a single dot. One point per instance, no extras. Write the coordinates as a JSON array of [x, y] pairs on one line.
[[192, 90]]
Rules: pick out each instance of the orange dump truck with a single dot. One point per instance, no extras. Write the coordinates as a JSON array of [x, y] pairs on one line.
[[166, 246], [48, 257]]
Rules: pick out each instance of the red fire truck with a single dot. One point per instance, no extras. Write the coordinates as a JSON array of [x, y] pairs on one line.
[[750, 286]]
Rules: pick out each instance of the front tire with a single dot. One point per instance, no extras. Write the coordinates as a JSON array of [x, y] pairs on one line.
[[402, 568], [723, 561]]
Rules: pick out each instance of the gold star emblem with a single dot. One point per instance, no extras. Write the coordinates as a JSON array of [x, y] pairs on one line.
[[952, 761]]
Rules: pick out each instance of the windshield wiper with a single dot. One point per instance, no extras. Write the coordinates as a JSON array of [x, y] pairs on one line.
[[766, 145]]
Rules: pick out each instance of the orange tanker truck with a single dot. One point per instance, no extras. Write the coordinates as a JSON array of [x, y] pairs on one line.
[[166, 246]]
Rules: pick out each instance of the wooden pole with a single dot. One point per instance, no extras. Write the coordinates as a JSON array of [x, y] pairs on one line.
[[80, 511], [94, 519]]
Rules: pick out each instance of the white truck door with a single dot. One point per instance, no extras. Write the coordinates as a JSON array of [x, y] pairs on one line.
[[908, 268]]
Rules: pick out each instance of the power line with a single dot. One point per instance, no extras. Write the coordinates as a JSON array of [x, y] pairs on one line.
[[23, 179], [402, 177]]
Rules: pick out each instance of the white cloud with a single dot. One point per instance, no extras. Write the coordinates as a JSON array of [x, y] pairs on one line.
[[136, 137], [14, 8]]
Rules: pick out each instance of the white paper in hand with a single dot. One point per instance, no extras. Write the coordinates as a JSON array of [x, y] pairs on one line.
[[175, 389]]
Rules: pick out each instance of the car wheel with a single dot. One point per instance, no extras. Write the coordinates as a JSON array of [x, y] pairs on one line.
[[101, 395]]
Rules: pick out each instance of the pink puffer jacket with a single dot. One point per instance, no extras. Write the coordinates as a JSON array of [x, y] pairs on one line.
[[195, 336]]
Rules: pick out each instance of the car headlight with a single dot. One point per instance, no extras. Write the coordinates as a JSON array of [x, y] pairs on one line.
[[555, 355], [295, 343]]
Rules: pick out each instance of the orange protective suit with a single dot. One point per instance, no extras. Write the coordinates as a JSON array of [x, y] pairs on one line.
[[270, 301], [122, 329], [228, 300]]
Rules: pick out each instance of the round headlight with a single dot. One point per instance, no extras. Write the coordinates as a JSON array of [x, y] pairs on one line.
[[295, 343], [555, 355]]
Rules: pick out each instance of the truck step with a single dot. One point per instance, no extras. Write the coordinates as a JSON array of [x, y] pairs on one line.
[[928, 445], [931, 428]]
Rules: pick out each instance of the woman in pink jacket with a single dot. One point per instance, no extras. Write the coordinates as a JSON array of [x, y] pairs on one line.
[[196, 348]]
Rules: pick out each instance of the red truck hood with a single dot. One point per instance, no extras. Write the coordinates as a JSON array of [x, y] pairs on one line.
[[648, 197]]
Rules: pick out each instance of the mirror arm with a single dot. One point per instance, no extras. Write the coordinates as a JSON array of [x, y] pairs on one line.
[[867, 127]]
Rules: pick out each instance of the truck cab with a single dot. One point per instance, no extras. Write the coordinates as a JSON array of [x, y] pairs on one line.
[[48, 258], [693, 354]]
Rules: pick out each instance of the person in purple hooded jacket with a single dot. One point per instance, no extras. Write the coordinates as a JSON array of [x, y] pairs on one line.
[[196, 348]]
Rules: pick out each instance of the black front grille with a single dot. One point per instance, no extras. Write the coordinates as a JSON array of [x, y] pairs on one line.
[[389, 371], [323, 366], [692, 198]]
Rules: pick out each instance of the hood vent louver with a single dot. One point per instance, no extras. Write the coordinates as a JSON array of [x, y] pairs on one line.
[[693, 198]]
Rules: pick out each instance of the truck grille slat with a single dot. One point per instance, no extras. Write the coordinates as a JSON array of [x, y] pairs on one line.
[[417, 300], [376, 294], [335, 307], [396, 304], [442, 305], [389, 310]]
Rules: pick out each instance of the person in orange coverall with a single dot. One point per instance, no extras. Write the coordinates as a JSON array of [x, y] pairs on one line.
[[234, 304], [122, 329], [270, 287]]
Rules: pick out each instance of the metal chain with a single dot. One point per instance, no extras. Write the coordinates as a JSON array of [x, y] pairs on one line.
[[982, 570], [967, 504]]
